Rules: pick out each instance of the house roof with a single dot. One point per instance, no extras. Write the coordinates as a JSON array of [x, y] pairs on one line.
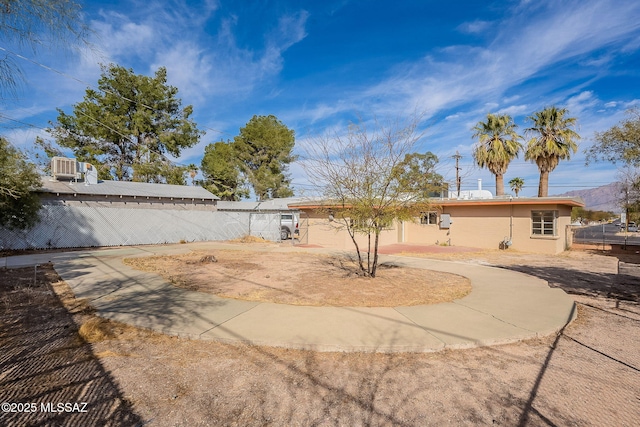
[[281, 204], [125, 188], [566, 201], [225, 205]]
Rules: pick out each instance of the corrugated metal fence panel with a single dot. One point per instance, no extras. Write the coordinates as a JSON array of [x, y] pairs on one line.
[[67, 227]]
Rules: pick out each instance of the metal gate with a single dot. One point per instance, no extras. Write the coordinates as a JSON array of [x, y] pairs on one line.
[[265, 226], [303, 229]]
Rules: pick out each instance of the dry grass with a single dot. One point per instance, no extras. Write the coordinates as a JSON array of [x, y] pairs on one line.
[[575, 379], [250, 239], [96, 329], [303, 279]]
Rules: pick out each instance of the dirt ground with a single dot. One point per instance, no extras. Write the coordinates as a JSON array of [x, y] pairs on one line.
[[303, 279], [587, 375]]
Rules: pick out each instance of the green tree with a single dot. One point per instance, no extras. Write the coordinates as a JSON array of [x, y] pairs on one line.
[[621, 143], [127, 126], [221, 172], [363, 176], [416, 174], [19, 205], [582, 214], [264, 150], [38, 25], [516, 185], [160, 170], [498, 144], [554, 140]]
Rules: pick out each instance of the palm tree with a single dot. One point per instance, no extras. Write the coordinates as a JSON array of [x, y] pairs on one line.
[[554, 140], [498, 144], [516, 185]]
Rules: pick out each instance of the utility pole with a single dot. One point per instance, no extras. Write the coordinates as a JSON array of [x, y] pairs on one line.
[[458, 181]]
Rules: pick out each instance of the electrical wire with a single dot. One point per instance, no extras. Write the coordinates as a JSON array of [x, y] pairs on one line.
[[63, 74], [471, 167]]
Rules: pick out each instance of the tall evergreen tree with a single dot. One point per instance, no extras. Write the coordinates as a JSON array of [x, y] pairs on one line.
[[264, 149], [221, 172], [128, 125]]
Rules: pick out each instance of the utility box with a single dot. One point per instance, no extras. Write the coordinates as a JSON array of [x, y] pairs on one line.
[[445, 221]]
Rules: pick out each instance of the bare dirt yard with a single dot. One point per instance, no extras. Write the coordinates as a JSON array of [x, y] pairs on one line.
[[54, 349], [302, 279]]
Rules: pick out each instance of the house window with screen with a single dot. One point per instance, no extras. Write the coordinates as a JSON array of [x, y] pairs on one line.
[[544, 223], [429, 218]]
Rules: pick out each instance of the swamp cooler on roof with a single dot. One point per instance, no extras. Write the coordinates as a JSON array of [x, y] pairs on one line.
[[63, 167]]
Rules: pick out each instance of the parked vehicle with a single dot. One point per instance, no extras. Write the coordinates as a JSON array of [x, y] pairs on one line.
[[288, 225], [631, 227]]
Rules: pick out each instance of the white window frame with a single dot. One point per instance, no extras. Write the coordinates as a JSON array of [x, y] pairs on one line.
[[426, 218], [544, 223]]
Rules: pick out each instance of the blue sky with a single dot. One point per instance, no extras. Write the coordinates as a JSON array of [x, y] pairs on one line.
[[317, 65]]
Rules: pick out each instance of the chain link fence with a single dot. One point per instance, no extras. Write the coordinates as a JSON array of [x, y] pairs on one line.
[[69, 227]]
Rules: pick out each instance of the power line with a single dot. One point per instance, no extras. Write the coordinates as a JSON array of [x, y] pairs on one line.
[[63, 74], [4, 116], [89, 117]]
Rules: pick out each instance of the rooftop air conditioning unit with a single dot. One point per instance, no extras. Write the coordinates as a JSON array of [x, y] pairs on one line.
[[63, 167]]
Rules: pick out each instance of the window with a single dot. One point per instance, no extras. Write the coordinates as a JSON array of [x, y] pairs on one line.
[[543, 223], [367, 223], [428, 217]]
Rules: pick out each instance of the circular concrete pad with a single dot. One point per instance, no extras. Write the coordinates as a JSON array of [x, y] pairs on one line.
[[503, 306]]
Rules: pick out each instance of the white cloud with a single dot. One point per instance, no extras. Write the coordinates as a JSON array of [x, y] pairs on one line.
[[474, 26], [528, 43], [511, 99], [23, 138], [118, 36], [161, 35], [577, 104], [515, 110]]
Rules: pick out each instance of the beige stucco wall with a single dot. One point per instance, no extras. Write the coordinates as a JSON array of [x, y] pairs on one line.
[[487, 226], [332, 234], [472, 226]]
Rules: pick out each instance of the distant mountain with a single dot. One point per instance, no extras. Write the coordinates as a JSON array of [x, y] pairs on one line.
[[603, 198]]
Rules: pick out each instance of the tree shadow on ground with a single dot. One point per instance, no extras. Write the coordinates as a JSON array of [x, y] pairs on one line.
[[629, 254], [622, 286], [44, 361]]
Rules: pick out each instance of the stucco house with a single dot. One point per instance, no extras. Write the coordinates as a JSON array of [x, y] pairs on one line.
[[540, 224]]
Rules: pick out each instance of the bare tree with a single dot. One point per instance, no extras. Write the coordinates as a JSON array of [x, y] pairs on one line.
[[629, 195], [365, 176]]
